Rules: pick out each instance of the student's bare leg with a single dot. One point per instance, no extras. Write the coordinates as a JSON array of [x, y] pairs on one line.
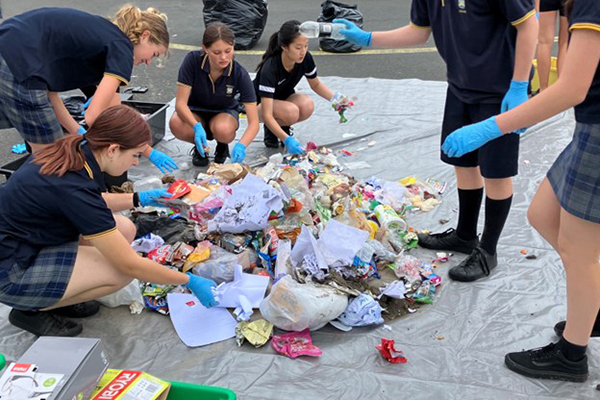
[[182, 130], [305, 105], [544, 213], [223, 127], [545, 43]]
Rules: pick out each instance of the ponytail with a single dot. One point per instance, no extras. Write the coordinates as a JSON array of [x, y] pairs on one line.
[[289, 31], [133, 22], [121, 125], [568, 7]]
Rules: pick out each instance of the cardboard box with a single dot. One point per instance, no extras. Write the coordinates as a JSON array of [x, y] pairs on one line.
[[117, 384], [67, 368]]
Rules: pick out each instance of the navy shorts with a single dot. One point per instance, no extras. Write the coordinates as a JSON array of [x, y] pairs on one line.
[[575, 175], [43, 283], [29, 111], [496, 159], [207, 115], [553, 5]]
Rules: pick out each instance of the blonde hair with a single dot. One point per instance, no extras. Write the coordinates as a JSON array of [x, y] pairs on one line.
[[133, 22]]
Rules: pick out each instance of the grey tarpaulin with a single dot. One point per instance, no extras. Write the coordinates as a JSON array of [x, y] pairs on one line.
[[455, 348]]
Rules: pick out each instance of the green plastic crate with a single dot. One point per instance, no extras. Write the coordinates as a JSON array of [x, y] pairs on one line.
[[189, 391]]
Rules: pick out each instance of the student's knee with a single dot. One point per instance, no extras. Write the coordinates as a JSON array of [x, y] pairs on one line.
[[290, 114], [126, 227], [535, 217], [223, 131], [306, 109]]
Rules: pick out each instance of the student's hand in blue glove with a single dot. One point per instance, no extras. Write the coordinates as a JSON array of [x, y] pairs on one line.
[[201, 288], [162, 161], [200, 138], [353, 33], [239, 153], [471, 137], [150, 197], [81, 130], [86, 105], [516, 95], [19, 148], [293, 146]]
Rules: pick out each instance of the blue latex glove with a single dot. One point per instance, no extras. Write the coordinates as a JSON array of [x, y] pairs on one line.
[[86, 105], [293, 146], [516, 95], [150, 197], [162, 161], [200, 138], [81, 130], [238, 153], [19, 148], [201, 288], [353, 33], [471, 137]]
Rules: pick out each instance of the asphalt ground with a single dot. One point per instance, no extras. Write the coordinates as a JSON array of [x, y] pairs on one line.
[[186, 26]]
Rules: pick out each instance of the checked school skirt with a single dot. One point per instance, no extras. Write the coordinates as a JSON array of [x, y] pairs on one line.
[[575, 175], [43, 283]]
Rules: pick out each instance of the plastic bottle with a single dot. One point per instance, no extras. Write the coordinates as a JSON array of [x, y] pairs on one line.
[[388, 218], [312, 29]]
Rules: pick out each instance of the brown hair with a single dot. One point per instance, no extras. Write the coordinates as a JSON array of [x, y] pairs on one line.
[[568, 6], [216, 31], [133, 22], [120, 125]]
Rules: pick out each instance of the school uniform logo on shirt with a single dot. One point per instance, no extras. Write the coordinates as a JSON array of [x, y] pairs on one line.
[[281, 81], [462, 6], [229, 90]]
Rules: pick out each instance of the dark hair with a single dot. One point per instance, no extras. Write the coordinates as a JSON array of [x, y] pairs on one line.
[[289, 31], [216, 31], [120, 125], [568, 6]]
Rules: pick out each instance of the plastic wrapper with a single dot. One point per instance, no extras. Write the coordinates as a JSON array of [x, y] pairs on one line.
[[126, 296], [158, 304], [220, 267], [256, 332], [147, 243], [283, 264], [206, 210], [389, 352], [295, 344], [293, 306], [159, 254], [230, 173], [201, 253]]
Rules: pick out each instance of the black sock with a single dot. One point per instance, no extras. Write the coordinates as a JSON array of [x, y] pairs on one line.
[[469, 203], [572, 352], [496, 212]]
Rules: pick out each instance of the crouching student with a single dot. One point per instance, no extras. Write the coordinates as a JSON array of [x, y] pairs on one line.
[[51, 50], [208, 87], [60, 243], [282, 66]]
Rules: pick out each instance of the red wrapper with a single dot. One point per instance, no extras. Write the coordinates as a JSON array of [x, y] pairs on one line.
[[160, 254], [311, 146], [179, 188], [388, 352]]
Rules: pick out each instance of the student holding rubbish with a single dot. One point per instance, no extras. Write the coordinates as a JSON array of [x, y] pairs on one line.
[[60, 243], [50, 50]]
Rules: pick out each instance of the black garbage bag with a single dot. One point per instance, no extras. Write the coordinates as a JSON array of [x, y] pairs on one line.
[[246, 18], [74, 105], [171, 230], [331, 10]]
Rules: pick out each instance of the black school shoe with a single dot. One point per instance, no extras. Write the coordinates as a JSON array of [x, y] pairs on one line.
[[478, 265], [547, 363], [197, 159], [221, 152], [81, 310], [270, 139], [44, 323], [447, 240], [559, 328]]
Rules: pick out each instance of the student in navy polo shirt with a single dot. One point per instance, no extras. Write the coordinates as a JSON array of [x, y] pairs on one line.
[[566, 207], [488, 48], [50, 50], [60, 243], [282, 66], [550, 10], [210, 87]]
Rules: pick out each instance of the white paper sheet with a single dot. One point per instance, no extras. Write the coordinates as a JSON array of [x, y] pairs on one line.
[[252, 287], [197, 325], [340, 242], [307, 254]]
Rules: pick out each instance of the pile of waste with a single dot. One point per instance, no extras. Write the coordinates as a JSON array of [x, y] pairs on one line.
[[331, 248]]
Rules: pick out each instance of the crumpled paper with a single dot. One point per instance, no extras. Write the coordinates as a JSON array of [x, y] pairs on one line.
[[362, 311], [256, 332]]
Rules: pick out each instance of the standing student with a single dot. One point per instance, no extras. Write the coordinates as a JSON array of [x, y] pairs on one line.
[[210, 87], [550, 11], [285, 62], [488, 48], [566, 207], [50, 50], [61, 244]]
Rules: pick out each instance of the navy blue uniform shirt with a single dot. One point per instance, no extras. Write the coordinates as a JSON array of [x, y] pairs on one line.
[[586, 15], [476, 39], [61, 49], [38, 211], [273, 81], [231, 88]]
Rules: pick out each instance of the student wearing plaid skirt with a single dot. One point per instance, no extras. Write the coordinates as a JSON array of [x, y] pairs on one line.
[[566, 207], [51, 50], [61, 246]]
